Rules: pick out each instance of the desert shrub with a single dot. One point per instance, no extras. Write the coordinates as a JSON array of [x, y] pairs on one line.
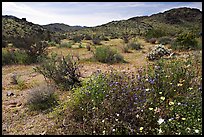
[[15, 57], [104, 38], [63, 71], [152, 40], [121, 103], [125, 49], [87, 37], [42, 97], [77, 38], [4, 44], [155, 33], [125, 38], [7, 58], [88, 47], [22, 85], [96, 41], [65, 44], [105, 54], [52, 43], [134, 45], [80, 45], [164, 40], [185, 41]]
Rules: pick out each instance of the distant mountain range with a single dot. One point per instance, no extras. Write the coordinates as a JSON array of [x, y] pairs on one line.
[[172, 21], [61, 27]]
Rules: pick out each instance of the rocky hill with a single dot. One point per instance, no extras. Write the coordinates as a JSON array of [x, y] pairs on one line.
[[13, 27], [173, 21], [61, 27]]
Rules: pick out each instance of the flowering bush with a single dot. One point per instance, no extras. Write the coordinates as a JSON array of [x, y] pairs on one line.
[[158, 52], [164, 98]]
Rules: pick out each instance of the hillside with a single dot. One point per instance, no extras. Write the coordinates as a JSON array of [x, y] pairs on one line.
[[13, 27], [173, 21], [61, 27]]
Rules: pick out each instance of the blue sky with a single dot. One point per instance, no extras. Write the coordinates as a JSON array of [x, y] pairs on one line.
[[87, 13]]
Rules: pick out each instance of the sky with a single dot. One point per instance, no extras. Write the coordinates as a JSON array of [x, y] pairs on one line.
[[88, 14]]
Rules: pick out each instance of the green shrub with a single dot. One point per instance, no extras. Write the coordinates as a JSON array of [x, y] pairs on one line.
[[80, 45], [42, 97], [65, 44], [185, 41], [164, 40], [155, 33], [6, 57], [63, 71], [88, 47], [87, 37], [134, 45], [96, 41], [15, 57], [125, 49], [106, 55], [52, 43], [77, 38]]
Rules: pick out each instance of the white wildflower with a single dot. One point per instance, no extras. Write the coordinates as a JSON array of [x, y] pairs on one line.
[[162, 98], [150, 108], [113, 130], [197, 131], [147, 89], [141, 128], [183, 118], [160, 121], [171, 103]]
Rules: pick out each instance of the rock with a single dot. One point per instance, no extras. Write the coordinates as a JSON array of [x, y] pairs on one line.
[[9, 93]]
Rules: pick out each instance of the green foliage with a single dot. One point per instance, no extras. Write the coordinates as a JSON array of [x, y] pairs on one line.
[[63, 71], [164, 40], [134, 45], [105, 54], [77, 38], [125, 49], [52, 43], [42, 97], [80, 45], [185, 41], [155, 33], [65, 44], [15, 57], [87, 37], [22, 85], [96, 41]]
